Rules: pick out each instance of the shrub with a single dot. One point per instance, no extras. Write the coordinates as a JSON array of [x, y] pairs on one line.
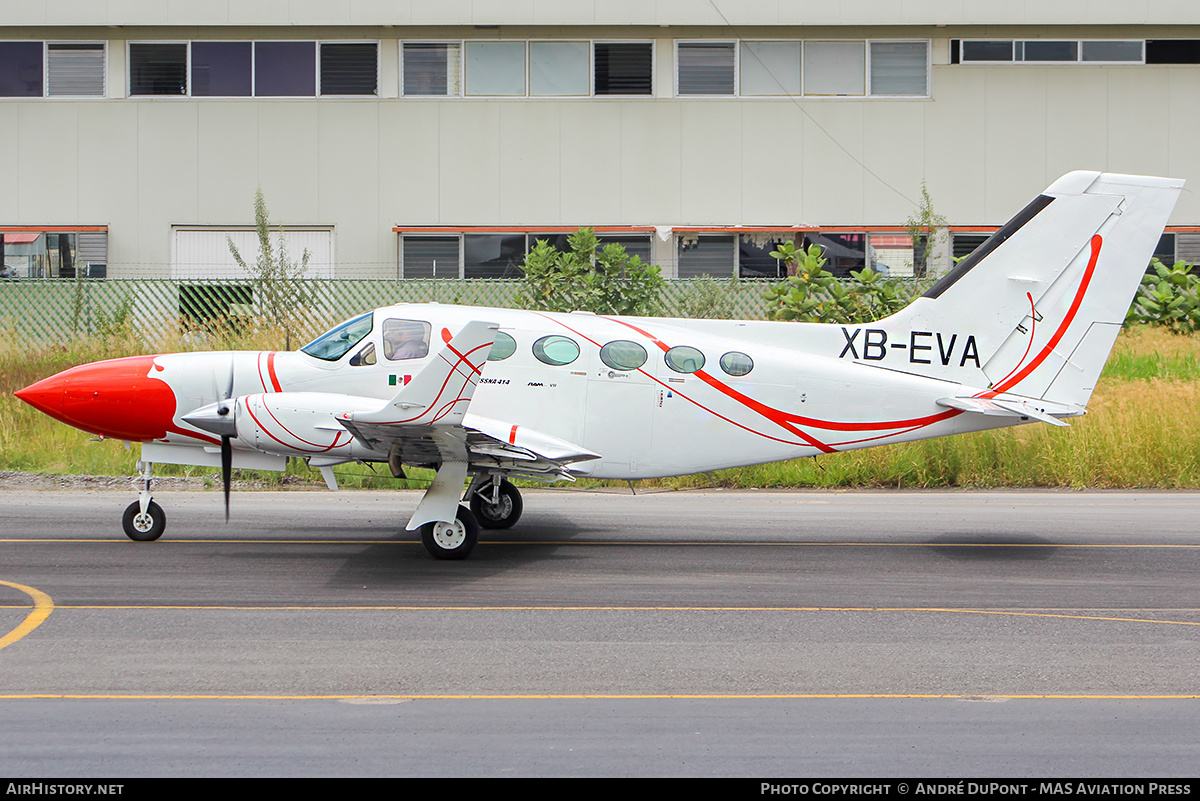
[[589, 278]]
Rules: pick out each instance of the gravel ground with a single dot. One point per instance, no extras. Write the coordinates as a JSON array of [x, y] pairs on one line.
[[14, 480]]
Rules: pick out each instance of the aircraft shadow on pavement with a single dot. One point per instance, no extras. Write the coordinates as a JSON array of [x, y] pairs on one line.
[[978, 546]]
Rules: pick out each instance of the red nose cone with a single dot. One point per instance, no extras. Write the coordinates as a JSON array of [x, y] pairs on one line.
[[46, 395], [115, 398]]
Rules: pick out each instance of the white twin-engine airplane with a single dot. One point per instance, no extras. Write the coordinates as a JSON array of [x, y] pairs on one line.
[[1016, 332]]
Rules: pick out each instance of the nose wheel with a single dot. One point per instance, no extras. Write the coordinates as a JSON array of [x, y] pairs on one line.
[[144, 520], [144, 526]]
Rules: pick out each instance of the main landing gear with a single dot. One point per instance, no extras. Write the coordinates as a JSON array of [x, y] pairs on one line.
[[144, 520], [494, 503]]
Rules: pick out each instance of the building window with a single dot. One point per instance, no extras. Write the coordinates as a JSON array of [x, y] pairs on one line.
[[158, 68], [493, 255], [285, 69], [1164, 251], [900, 69], [1040, 50], [21, 69], [1173, 51], [431, 69], [835, 69], [430, 257], [350, 68], [75, 69], [495, 69], [770, 68], [1113, 52], [53, 254], [246, 69], [222, 69], [706, 68], [623, 68], [706, 256], [559, 69], [1048, 51], [962, 245], [755, 259]]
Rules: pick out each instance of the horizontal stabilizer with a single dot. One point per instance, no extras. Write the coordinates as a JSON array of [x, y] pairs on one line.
[[1012, 406]]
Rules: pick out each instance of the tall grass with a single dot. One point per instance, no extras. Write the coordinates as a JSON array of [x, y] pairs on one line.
[[1141, 430]]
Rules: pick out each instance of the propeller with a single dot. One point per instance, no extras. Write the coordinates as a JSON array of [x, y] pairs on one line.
[[219, 418], [224, 408]]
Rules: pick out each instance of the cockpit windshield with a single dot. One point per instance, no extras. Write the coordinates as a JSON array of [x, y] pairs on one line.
[[333, 344]]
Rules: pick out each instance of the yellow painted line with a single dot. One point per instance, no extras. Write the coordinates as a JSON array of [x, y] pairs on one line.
[[590, 696], [804, 609], [42, 607]]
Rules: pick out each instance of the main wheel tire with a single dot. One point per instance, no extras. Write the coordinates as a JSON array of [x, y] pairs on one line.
[[504, 514], [451, 540], [144, 527]]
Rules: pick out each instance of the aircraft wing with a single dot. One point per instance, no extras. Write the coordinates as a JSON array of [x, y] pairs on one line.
[[427, 423]]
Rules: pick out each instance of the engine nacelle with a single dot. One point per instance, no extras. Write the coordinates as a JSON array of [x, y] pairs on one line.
[[288, 423]]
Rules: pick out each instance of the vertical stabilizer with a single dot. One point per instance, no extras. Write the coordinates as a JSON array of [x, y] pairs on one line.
[[1035, 309]]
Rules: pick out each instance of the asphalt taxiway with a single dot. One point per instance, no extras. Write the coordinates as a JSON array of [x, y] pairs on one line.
[[678, 633]]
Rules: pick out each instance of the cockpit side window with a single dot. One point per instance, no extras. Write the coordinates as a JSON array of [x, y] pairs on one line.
[[337, 341], [405, 339], [366, 356]]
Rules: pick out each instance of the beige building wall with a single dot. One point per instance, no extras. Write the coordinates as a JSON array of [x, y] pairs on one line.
[[986, 141]]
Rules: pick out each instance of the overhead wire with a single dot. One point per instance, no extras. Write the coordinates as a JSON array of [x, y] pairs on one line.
[[804, 111]]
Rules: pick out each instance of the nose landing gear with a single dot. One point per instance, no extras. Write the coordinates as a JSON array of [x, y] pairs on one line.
[[144, 520]]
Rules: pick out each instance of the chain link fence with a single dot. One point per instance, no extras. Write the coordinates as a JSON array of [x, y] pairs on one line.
[[57, 310]]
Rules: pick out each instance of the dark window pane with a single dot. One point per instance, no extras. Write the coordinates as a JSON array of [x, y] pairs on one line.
[[285, 69], [221, 69], [1173, 51], [843, 252], [1129, 51], [706, 255], [962, 244], [493, 255], [623, 68], [634, 245], [987, 51], [755, 259], [430, 257], [20, 69], [1164, 251], [706, 68], [1036, 50], [158, 69], [349, 69]]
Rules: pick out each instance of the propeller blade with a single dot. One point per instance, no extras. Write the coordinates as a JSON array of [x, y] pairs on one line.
[[226, 470]]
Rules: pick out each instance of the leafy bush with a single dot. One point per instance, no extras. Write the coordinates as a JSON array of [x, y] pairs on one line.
[[707, 298], [813, 295], [589, 278], [1170, 297]]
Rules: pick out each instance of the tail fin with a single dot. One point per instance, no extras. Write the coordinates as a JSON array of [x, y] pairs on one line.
[[1035, 309]]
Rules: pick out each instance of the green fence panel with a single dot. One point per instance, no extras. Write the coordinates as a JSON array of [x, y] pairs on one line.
[[56, 310]]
